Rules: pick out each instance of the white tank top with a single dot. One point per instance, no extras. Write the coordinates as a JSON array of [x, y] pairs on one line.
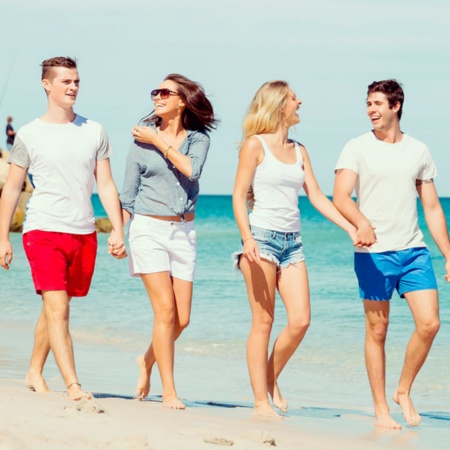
[[276, 186]]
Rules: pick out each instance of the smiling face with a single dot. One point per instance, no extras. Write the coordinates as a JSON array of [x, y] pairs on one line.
[[290, 109], [171, 106], [383, 117], [62, 86]]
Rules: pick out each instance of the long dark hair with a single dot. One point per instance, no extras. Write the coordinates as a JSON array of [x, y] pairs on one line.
[[198, 114]]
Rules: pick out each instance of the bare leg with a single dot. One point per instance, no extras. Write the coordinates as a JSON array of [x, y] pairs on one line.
[[57, 311], [260, 281], [41, 348], [294, 291], [171, 301], [424, 306], [377, 321]]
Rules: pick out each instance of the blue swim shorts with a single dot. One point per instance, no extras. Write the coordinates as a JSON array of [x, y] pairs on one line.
[[405, 270], [278, 247]]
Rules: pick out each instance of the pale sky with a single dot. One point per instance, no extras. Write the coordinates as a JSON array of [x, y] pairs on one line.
[[328, 50]]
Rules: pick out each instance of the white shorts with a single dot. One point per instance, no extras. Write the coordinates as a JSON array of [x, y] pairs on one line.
[[160, 246]]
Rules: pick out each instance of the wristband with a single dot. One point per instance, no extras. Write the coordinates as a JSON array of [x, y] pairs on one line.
[[167, 151]]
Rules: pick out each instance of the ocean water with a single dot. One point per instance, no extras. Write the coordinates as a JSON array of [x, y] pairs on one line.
[[112, 325]]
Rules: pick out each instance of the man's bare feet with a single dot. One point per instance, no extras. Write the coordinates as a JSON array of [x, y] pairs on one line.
[[384, 420], [265, 410], [278, 400], [75, 392], [143, 385], [36, 383], [173, 402], [410, 414]]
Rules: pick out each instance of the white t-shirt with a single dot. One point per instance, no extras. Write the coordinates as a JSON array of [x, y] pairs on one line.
[[61, 159], [386, 187], [275, 186]]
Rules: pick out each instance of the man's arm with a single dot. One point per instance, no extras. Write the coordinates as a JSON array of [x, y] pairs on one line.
[[109, 197], [342, 198], [8, 203], [435, 219]]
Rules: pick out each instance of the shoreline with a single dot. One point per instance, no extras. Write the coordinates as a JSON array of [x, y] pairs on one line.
[[51, 421]]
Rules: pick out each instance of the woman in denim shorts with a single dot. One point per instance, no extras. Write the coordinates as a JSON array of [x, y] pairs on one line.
[[272, 169], [160, 192]]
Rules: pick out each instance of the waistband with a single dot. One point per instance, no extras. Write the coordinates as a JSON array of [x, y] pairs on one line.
[[181, 218]]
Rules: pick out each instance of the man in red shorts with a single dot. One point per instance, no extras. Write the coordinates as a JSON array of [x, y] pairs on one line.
[[64, 154]]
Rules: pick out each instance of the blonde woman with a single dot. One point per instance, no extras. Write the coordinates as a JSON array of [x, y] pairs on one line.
[[272, 169]]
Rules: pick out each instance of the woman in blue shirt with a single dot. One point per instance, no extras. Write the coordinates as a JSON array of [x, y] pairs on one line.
[[160, 192]]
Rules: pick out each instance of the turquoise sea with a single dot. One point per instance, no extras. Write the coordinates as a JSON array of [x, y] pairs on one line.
[[112, 325]]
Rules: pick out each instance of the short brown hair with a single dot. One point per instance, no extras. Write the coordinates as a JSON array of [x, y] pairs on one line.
[[59, 61], [393, 91]]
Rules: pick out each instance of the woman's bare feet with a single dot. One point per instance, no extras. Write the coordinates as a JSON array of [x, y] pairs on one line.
[[173, 402], [143, 385], [278, 400], [265, 410], [410, 414], [36, 383], [75, 392], [384, 420]]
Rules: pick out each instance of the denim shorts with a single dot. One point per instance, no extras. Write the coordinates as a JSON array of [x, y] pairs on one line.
[[379, 274], [283, 249]]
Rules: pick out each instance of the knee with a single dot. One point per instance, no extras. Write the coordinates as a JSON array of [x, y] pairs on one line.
[[430, 328], [165, 315], [263, 324], [183, 323], [299, 326], [378, 332]]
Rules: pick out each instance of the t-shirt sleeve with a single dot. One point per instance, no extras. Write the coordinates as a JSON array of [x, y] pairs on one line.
[[105, 149], [348, 159], [19, 154], [429, 169]]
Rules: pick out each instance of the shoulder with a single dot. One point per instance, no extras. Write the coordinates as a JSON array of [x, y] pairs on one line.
[[413, 142], [198, 135]]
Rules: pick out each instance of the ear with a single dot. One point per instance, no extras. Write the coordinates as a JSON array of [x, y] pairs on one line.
[[396, 107], [46, 85]]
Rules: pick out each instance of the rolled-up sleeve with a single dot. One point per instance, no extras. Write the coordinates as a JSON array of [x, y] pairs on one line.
[[132, 179], [198, 151]]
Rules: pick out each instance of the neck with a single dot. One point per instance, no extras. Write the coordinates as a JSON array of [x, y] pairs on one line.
[[281, 135], [391, 136], [172, 125], [57, 114]]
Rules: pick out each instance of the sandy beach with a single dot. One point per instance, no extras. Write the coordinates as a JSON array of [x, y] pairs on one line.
[[51, 421]]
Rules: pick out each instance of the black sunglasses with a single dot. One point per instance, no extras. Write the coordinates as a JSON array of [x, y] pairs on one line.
[[163, 93]]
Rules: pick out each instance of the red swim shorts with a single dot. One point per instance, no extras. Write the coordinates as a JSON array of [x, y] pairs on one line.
[[61, 261]]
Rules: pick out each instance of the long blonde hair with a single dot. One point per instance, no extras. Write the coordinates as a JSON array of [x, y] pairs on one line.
[[264, 115]]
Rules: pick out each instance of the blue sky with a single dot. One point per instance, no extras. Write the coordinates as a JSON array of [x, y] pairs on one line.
[[328, 50]]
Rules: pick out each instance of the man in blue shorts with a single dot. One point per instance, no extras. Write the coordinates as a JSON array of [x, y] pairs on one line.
[[388, 168]]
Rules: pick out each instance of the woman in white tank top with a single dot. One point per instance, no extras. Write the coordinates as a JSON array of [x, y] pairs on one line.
[[272, 169]]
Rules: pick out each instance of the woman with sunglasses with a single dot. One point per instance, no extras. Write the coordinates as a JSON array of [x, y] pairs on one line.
[[272, 169], [160, 192]]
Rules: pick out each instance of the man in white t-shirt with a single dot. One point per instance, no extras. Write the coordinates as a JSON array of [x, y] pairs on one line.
[[387, 169], [64, 154]]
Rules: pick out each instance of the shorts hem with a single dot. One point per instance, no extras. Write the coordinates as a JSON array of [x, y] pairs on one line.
[[290, 263], [235, 258]]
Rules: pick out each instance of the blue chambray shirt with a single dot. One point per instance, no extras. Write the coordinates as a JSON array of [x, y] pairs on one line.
[[154, 186]]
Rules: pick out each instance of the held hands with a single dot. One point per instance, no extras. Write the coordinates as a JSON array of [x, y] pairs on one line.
[[6, 254], [365, 236], [251, 251], [144, 134], [116, 246]]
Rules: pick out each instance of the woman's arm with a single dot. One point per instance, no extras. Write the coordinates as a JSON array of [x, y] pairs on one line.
[[189, 165], [322, 203], [250, 157]]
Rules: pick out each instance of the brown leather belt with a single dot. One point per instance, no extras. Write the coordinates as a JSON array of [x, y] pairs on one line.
[[186, 217]]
